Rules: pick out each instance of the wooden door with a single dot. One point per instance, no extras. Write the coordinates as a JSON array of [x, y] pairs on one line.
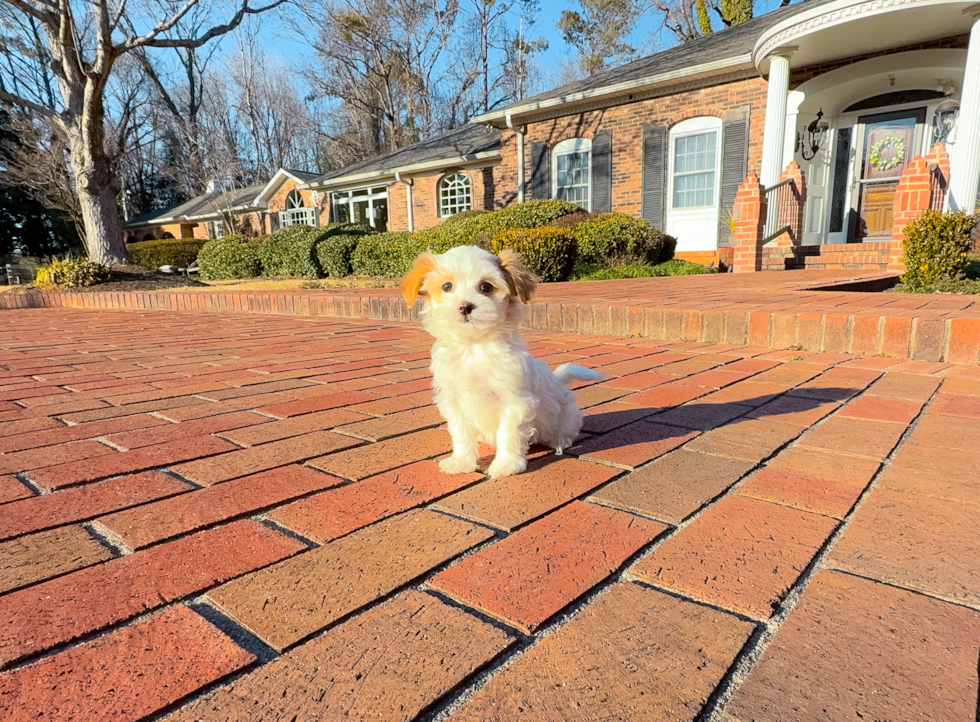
[[888, 145]]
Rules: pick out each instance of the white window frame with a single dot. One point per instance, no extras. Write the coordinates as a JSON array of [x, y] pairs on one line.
[[570, 147], [355, 195], [686, 129], [455, 194], [296, 214]]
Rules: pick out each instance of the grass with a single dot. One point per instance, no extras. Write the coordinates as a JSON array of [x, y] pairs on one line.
[[674, 267]]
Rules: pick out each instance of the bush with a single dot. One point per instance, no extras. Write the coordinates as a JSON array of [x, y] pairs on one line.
[[668, 249], [616, 239], [385, 254], [335, 246], [549, 253], [230, 257], [168, 252], [71, 273], [936, 248], [675, 267], [291, 251]]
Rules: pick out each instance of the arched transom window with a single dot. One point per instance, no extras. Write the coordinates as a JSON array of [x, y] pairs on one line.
[[454, 194], [296, 214]]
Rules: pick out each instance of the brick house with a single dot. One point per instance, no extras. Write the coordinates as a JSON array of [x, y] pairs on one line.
[[255, 210]]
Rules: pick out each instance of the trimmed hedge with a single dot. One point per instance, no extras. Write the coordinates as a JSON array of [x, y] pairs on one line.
[[230, 257], [936, 248], [617, 239], [291, 251], [549, 253], [335, 246], [675, 267], [167, 252], [385, 254]]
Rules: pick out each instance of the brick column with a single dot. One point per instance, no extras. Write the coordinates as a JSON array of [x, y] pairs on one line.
[[792, 215], [912, 196], [749, 213]]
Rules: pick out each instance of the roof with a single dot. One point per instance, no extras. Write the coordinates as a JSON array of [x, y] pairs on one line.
[[206, 205], [303, 175], [469, 142], [719, 52]]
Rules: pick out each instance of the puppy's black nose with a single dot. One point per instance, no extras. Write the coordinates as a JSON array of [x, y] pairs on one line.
[[466, 308]]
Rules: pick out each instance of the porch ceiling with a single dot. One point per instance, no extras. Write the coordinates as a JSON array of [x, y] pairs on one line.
[[844, 28]]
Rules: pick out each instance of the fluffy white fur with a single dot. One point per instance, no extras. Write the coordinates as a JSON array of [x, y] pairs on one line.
[[488, 386]]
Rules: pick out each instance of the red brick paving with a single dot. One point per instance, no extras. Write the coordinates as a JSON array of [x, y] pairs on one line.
[[725, 469]]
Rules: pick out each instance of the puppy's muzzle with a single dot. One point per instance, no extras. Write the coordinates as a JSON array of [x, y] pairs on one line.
[[465, 309]]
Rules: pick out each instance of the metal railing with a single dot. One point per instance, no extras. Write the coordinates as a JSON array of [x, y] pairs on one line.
[[782, 209], [937, 187]]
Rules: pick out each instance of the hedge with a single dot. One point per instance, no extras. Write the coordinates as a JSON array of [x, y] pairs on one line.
[[675, 267], [385, 254], [291, 251], [936, 248], [335, 246], [549, 253], [71, 273], [229, 257], [167, 252], [617, 239]]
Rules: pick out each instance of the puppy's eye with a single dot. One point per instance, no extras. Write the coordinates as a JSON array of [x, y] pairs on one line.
[[447, 287], [486, 287]]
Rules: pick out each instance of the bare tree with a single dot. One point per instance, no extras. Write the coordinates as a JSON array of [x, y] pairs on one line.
[[599, 32], [691, 19], [80, 44]]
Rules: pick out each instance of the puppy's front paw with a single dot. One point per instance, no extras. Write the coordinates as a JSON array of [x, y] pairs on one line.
[[457, 465], [507, 466]]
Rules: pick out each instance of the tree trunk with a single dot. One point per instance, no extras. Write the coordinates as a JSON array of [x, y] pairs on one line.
[[103, 231], [98, 196]]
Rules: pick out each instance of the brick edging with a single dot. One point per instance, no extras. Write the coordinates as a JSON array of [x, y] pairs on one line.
[[953, 340]]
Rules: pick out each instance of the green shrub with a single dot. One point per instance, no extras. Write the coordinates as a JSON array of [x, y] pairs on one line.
[[71, 273], [549, 253], [676, 267], [385, 254], [167, 252], [465, 216], [936, 248], [229, 257], [335, 246], [291, 251], [668, 249], [616, 239]]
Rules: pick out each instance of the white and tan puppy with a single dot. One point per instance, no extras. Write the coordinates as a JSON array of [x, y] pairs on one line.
[[488, 386]]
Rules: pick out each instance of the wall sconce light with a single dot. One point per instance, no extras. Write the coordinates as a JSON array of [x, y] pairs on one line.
[[944, 120], [810, 139]]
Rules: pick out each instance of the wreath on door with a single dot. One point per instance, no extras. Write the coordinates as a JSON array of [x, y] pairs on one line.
[[883, 162]]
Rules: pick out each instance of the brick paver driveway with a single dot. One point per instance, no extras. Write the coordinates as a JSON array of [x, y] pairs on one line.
[[232, 517]]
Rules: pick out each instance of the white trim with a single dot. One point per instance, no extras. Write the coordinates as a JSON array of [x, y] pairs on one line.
[[381, 177], [704, 69], [570, 147], [701, 233], [272, 186]]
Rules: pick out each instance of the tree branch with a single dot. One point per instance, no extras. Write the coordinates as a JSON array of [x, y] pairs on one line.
[[151, 39], [26, 104]]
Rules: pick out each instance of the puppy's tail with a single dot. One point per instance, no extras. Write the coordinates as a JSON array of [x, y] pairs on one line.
[[566, 373]]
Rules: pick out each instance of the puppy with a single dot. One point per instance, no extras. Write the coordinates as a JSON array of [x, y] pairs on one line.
[[488, 386]]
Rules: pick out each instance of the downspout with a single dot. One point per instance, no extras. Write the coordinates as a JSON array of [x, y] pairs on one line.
[[520, 156], [408, 198]]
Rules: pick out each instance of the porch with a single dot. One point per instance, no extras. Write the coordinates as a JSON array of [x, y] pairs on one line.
[[855, 147]]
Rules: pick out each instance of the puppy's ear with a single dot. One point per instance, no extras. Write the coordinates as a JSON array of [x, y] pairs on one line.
[[521, 281], [412, 283]]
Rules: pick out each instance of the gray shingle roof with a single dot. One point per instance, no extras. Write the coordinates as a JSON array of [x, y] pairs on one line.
[[304, 175], [208, 204], [462, 142]]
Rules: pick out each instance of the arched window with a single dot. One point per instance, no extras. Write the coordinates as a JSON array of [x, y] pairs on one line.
[[296, 214], [454, 195], [571, 171]]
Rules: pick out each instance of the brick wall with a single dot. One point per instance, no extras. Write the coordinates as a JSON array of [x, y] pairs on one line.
[[425, 197], [626, 124]]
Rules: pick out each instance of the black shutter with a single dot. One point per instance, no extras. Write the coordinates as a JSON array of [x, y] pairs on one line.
[[602, 172], [540, 171], [734, 167], [654, 164]]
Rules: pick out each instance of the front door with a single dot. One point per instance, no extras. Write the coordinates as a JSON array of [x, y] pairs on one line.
[[888, 143]]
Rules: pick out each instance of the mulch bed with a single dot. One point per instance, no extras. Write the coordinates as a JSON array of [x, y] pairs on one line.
[[136, 278]]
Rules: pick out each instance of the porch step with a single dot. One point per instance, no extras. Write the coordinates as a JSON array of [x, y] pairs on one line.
[[865, 256]]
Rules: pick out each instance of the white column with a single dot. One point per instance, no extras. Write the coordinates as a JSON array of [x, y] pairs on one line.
[[774, 137], [965, 160], [520, 166], [411, 205]]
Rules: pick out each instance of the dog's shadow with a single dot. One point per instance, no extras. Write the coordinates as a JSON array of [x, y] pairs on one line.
[[609, 430]]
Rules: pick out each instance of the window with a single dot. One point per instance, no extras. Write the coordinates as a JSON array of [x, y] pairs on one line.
[[454, 195], [365, 206], [296, 214], [571, 160], [694, 170]]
